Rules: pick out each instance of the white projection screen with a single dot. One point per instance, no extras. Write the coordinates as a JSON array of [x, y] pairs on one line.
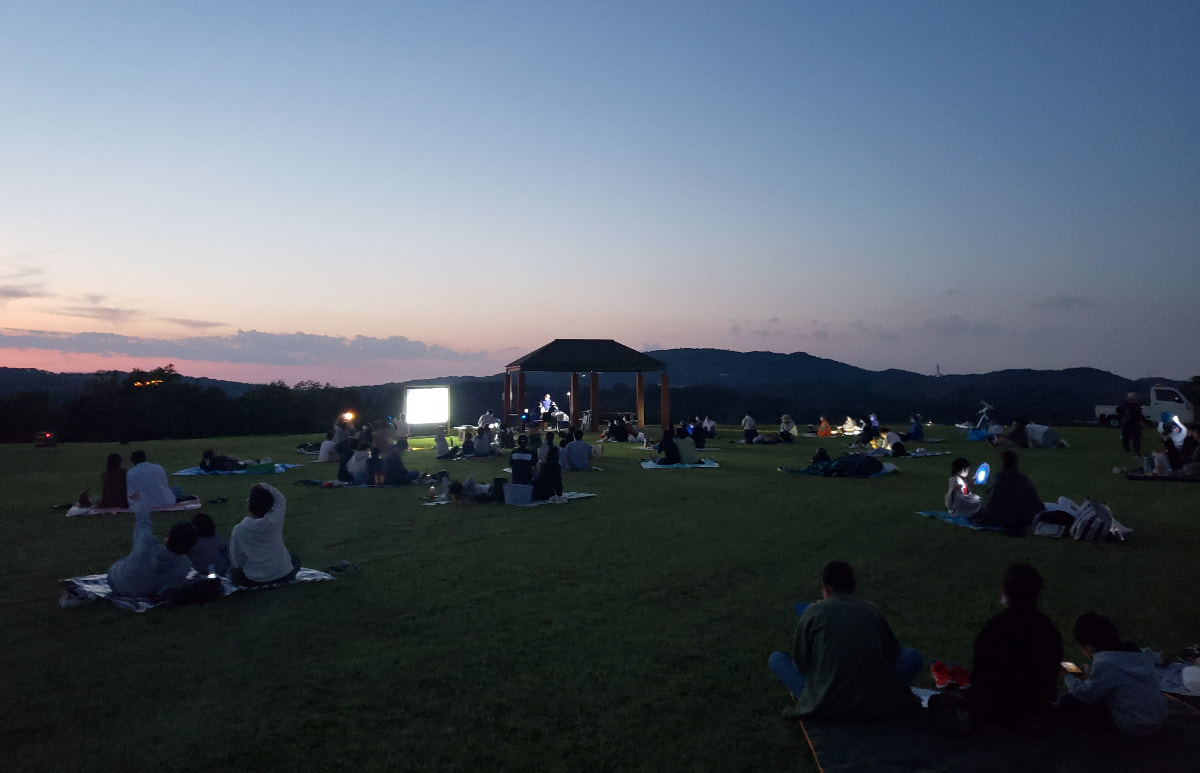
[[427, 405]]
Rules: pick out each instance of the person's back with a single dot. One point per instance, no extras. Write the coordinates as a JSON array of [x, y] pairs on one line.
[[1017, 655], [151, 568], [113, 489], [210, 554], [150, 481], [1013, 502], [256, 546], [687, 450], [548, 481], [521, 460], [578, 453], [483, 443], [668, 448], [845, 661], [327, 452], [1123, 684]]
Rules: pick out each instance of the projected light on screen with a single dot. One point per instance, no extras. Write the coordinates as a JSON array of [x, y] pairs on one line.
[[427, 405]]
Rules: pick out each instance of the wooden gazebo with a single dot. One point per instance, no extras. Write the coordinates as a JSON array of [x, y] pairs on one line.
[[586, 355]]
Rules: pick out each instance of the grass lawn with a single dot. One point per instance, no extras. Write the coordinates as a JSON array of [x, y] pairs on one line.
[[626, 631]]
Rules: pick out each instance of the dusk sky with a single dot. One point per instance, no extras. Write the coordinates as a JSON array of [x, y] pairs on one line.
[[365, 192]]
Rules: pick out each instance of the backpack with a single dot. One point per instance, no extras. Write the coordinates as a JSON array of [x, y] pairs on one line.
[[1052, 523], [1093, 521]]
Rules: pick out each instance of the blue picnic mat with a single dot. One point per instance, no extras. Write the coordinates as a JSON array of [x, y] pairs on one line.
[[957, 520]]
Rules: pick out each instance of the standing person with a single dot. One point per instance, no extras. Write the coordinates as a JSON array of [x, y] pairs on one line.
[[153, 569], [749, 430], [257, 555], [1017, 656], [150, 481], [487, 419], [113, 491], [1121, 690], [845, 661], [1129, 417]]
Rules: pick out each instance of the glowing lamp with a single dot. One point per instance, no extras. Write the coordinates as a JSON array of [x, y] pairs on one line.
[[981, 475]]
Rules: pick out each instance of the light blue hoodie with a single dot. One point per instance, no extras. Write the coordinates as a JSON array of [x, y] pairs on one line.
[[1127, 684]]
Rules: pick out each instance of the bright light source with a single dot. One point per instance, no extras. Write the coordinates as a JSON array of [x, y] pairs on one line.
[[348, 416], [427, 405], [981, 475]]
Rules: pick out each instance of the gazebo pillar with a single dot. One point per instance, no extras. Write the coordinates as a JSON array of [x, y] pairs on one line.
[[507, 407], [594, 398], [665, 399], [641, 400], [574, 398], [521, 404]]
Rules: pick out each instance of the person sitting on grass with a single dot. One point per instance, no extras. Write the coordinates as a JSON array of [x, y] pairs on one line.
[[668, 448], [547, 482], [577, 453], [441, 448], [1017, 657], [150, 481], [153, 570], [328, 451], [1013, 501], [960, 500], [1121, 690], [257, 555], [845, 662], [113, 493], [210, 554], [521, 460], [687, 447], [394, 472], [787, 429]]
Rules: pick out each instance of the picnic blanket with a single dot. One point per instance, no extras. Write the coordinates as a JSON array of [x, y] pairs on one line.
[[649, 465], [910, 745], [921, 453], [253, 469], [81, 590], [957, 520], [568, 495], [1173, 477], [187, 504]]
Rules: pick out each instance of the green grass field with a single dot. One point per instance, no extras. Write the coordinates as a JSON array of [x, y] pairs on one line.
[[626, 631]]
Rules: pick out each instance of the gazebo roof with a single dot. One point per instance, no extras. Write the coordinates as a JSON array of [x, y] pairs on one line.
[[573, 355]]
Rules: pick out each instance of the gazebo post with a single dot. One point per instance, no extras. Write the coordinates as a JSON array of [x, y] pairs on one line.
[[574, 398], [595, 400], [521, 404], [641, 399], [507, 396], [665, 399]]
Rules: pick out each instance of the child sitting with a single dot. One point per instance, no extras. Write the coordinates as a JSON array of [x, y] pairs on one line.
[[210, 555], [1122, 689]]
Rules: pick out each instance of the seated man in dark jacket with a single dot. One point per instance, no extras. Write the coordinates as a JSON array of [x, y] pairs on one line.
[[1013, 502]]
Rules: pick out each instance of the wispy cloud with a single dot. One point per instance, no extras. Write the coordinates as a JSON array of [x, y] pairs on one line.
[[1064, 303], [245, 346], [15, 292], [104, 314], [193, 324]]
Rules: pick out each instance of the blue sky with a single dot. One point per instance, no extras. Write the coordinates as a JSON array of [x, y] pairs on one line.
[[364, 192]]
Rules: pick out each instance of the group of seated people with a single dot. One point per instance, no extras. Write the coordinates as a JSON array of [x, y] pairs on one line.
[[846, 663], [185, 566]]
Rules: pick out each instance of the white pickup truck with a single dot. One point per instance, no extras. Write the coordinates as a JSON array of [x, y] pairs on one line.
[[1162, 398]]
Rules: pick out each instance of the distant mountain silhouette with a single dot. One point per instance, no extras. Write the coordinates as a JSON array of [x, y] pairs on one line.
[[725, 384]]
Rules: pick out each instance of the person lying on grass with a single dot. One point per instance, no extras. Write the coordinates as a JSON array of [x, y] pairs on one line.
[[845, 661], [1121, 690]]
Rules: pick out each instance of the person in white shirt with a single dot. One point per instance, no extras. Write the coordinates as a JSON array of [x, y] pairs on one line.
[[328, 452], [257, 555], [487, 419], [150, 481]]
